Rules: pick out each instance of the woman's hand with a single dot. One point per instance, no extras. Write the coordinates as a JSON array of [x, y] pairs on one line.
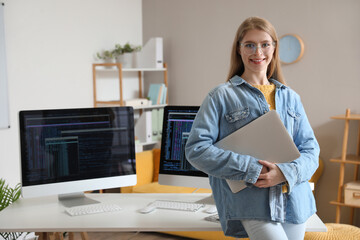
[[270, 175]]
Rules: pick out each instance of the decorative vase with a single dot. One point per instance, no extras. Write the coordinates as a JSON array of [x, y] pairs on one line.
[[109, 60], [126, 60]]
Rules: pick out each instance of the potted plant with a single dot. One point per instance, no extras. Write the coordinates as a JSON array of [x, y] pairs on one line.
[[125, 54], [130, 48], [107, 56], [118, 50], [118, 53], [9, 195]]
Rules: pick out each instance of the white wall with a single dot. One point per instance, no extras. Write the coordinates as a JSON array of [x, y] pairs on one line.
[[197, 40], [50, 49]]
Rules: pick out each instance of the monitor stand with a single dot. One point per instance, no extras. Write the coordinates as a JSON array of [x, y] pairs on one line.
[[75, 199]]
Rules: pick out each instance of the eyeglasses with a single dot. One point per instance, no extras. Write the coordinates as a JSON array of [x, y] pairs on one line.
[[251, 48]]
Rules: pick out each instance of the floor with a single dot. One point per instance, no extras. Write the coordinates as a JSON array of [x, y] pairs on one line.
[[129, 236]]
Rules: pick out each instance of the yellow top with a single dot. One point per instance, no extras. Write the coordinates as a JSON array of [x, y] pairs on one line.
[[269, 94]]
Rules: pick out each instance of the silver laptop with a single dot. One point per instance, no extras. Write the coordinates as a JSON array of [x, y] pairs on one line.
[[265, 138]]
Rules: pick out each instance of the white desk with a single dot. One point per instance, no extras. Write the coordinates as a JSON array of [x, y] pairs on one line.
[[46, 214]]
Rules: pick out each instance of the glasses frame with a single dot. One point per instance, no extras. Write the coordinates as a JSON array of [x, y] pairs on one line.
[[258, 46]]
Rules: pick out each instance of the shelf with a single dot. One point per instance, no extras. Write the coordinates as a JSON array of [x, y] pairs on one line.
[[105, 66], [147, 143], [149, 106], [143, 129], [118, 104], [120, 71], [352, 159], [109, 103], [143, 69], [143, 146], [343, 160], [343, 204], [350, 117], [132, 69]]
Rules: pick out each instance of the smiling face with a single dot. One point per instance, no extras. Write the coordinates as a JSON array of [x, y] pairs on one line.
[[256, 62]]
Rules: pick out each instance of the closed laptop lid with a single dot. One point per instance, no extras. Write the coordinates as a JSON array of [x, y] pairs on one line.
[[265, 138]]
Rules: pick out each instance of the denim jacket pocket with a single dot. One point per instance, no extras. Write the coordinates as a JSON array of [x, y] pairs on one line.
[[237, 115], [293, 120], [293, 114]]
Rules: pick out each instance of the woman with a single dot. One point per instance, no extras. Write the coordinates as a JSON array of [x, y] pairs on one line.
[[278, 199]]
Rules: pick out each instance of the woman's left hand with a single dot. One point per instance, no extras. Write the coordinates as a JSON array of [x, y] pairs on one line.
[[271, 178]]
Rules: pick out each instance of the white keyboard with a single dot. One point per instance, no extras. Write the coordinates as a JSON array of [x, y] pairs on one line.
[[177, 205], [92, 209]]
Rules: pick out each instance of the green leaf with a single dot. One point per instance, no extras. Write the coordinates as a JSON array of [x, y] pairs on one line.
[[8, 195]]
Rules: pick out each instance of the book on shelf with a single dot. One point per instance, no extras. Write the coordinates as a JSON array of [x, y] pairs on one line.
[[143, 127], [157, 93], [148, 127], [157, 120], [153, 94], [160, 122], [163, 95]]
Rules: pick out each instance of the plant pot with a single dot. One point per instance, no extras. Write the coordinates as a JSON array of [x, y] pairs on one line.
[[126, 60], [109, 60]]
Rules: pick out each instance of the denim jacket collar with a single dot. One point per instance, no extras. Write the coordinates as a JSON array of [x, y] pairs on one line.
[[237, 81]]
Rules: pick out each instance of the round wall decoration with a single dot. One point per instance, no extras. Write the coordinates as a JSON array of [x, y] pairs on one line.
[[291, 48]]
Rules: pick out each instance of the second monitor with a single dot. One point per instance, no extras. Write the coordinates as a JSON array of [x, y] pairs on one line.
[[67, 151], [174, 168]]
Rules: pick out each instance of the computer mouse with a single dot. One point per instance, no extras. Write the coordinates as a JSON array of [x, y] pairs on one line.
[[148, 209], [211, 209]]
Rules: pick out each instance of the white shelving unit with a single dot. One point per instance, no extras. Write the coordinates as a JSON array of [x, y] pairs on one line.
[[111, 67], [149, 107], [143, 125]]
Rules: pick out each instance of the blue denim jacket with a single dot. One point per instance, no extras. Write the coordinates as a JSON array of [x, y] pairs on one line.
[[227, 108]]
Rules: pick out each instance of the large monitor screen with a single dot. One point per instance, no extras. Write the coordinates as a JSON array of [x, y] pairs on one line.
[[174, 167], [69, 150]]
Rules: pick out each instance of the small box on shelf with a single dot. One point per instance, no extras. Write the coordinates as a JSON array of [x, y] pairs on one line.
[[137, 102], [352, 193]]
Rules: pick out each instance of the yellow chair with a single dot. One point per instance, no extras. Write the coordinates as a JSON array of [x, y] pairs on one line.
[[335, 231], [314, 179]]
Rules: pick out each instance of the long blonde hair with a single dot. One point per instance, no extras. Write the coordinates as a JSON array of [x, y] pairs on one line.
[[236, 63]]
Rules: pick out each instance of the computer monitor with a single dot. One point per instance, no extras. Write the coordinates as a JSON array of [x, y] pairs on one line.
[[69, 151], [174, 168]]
